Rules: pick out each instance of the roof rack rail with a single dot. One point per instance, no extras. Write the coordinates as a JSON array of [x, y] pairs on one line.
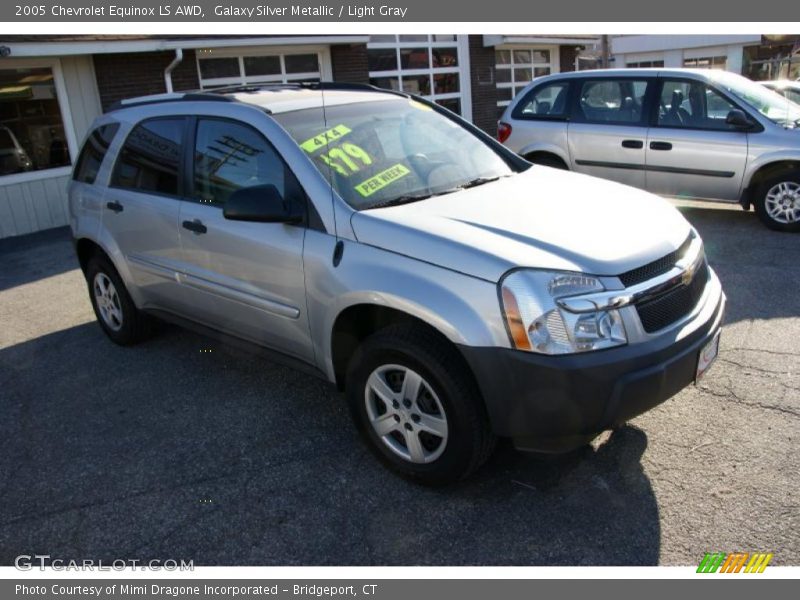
[[303, 85], [162, 98]]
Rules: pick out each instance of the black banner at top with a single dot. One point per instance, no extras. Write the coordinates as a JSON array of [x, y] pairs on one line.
[[283, 11]]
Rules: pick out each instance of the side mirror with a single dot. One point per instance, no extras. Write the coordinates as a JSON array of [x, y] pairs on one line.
[[262, 204], [738, 119]]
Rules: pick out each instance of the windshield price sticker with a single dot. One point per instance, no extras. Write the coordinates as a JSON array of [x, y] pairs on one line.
[[381, 180], [345, 159], [326, 137]]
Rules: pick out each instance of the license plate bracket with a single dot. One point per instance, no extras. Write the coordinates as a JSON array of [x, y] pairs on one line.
[[708, 354]]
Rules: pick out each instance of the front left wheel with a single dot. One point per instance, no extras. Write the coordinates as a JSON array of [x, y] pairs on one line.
[[777, 202], [415, 402]]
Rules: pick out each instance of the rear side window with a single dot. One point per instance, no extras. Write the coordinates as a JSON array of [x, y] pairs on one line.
[[612, 101], [547, 101], [150, 158], [93, 152]]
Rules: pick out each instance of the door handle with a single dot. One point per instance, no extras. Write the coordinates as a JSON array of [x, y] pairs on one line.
[[635, 144], [660, 146], [115, 206], [195, 226]]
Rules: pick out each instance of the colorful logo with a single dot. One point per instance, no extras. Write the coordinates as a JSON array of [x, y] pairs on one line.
[[736, 562]]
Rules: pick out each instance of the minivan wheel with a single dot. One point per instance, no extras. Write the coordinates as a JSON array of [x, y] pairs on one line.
[[413, 400], [778, 202], [121, 321]]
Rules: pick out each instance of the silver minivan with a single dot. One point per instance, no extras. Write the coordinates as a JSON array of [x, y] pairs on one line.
[[381, 243], [682, 133]]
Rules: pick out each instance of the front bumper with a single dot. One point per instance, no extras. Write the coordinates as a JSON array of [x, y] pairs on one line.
[[558, 403]]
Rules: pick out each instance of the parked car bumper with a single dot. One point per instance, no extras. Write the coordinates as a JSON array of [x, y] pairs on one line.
[[558, 403]]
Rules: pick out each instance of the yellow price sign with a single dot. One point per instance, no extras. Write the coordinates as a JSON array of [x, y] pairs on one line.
[[381, 180], [324, 138]]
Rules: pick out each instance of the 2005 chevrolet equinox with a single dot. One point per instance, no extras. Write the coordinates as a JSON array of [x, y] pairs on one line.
[[455, 292]]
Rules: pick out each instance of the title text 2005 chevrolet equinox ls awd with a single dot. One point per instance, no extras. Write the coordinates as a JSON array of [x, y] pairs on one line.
[[455, 292]]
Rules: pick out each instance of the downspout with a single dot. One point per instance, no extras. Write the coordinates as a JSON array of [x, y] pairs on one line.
[[170, 67]]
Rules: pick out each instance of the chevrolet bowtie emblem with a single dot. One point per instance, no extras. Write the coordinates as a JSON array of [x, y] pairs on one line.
[[688, 275]]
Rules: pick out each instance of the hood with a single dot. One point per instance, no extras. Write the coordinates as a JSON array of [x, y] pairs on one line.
[[542, 218]]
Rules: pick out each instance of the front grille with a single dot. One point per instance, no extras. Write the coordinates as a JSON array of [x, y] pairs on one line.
[[655, 268], [676, 303]]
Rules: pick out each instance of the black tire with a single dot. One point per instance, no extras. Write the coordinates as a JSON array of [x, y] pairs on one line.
[[469, 441], [135, 326], [547, 160], [760, 200]]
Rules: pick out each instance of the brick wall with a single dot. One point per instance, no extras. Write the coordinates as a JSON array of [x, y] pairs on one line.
[[122, 76], [482, 84], [349, 63], [566, 58]]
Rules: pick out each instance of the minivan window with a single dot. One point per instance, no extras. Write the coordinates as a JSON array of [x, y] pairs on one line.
[[150, 158], [612, 100], [93, 152], [229, 156], [392, 150], [770, 104], [549, 100], [693, 105]]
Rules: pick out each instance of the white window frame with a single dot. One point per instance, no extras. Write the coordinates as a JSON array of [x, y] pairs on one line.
[[54, 64], [554, 65], [461, 44], [323, 58]]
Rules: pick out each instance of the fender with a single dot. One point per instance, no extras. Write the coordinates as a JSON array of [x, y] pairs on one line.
[[464, 309], [762, 160], [548, 147]]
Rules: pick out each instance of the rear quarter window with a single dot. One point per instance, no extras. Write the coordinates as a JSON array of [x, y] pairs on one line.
[[93, 152]]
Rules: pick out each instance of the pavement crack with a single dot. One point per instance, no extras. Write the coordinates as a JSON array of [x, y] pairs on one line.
[[729, 394]]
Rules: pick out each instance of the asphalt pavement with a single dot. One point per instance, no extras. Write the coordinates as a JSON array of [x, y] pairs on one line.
[[182, 448]]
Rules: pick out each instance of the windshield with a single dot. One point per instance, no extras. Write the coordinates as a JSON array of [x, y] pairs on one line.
[[378, 153], [769, 103]]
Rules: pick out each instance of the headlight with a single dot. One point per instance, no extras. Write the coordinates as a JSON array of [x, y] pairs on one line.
[[535, 322]]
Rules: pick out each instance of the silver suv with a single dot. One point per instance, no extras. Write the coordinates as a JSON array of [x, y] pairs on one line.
[[381, 243], [684, 133]]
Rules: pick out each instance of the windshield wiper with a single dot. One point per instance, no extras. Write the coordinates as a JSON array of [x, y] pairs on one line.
[[407, 199], [478, 181]]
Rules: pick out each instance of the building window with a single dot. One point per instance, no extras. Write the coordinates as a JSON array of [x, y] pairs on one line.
[[32, 136], [517, 67], [707, 62], [252, 68], [428, 65], [646, 64]]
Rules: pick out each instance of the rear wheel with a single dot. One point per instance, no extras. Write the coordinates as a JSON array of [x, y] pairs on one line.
[[777, 202], [121, 321], [414, 402]]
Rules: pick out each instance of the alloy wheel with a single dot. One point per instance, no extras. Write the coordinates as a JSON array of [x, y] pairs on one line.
[[406, 413]]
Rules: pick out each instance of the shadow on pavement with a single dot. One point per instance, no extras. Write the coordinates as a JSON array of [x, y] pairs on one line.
[[164, 451], [29, 258]]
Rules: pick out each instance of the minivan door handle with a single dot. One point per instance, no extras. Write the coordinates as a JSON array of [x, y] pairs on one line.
[[115, 206], [635, 144], [660, 146], [196, 226]]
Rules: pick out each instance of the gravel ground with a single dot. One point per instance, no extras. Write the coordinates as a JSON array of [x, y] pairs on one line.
[[167, 450]]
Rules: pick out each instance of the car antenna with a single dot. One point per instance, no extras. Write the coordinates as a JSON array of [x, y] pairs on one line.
[[338, 248]]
